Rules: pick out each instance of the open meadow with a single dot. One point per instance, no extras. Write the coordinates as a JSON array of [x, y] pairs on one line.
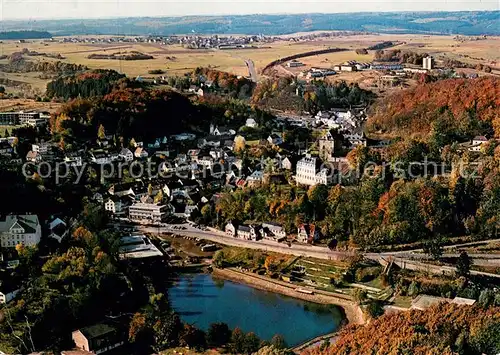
[[176, 60], [28, 105]]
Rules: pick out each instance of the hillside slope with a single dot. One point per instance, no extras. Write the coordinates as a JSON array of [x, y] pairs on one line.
[[469, 106], [442, 329]]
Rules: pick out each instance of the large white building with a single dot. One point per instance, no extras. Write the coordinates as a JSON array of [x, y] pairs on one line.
[[310, 172], [20, 229], [147, 212], [20, 117], [427, 63]]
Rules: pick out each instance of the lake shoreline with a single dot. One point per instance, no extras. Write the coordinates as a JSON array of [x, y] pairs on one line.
[[349, 307]]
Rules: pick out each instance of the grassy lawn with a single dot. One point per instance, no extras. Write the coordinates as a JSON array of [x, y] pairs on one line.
[[403, 301], [319, 272], [377, 283], [27, 104]]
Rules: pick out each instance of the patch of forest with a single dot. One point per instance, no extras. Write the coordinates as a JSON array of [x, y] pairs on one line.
[[121, 56], [442, 329], [463, 107]]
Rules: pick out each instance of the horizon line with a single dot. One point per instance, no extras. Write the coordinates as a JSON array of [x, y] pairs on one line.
[[240, 15]]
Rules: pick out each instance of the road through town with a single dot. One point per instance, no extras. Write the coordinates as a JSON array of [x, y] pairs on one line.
[[222, 238], [408, 259]]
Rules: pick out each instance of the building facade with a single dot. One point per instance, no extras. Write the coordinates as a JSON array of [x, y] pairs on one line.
[[6, 297], [16, 118], [147, 213], [273, 231], [20, 229], [427, 63], [97, 339], [310, 172], [307, 233], [327, 146]]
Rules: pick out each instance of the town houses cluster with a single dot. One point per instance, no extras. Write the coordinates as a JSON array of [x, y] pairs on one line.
[[196, 168], [306, 233], [189, 165]]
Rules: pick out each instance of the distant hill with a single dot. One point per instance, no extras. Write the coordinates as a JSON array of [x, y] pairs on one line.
[[466, 23], [24, 35]]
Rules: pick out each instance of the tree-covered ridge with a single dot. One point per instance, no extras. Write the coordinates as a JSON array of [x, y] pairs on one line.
[[382, 208], [18, 64], [129, 112], [24, 35], [289, 94], [133, 55], [442, 329], [463, 22], [97, 82], [466, 107]]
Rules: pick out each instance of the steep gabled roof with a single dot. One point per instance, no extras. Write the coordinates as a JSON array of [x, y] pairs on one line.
[[28, 223]]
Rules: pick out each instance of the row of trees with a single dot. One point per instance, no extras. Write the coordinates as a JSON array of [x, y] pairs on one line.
[[133, 55], [157, 328], [17, 64], [396, 55]]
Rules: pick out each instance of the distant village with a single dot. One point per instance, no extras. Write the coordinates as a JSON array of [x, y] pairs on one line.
[[196, 41], [396, 70]]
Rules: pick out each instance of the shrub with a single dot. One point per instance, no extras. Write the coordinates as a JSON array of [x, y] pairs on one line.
[[368, 273], [375, 308], [156, 71], [360, 295]]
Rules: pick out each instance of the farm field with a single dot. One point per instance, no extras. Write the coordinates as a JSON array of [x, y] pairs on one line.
[[176, 60], [27, 105]]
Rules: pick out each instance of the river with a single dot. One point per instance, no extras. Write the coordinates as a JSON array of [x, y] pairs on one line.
[[200, 299]]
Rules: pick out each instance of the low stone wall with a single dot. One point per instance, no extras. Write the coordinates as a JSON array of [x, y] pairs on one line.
[[353, 313]]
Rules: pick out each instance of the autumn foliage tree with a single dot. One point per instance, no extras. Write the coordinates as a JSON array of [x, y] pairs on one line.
[[466, 106], [442, 329]]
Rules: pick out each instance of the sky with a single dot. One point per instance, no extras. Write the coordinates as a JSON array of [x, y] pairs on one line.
[[84, 9]]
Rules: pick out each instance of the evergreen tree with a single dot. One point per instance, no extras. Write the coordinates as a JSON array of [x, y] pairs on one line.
[[463, 264]]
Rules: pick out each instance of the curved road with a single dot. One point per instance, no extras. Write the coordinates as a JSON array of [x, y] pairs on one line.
[[251, 70], [407, 259]]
